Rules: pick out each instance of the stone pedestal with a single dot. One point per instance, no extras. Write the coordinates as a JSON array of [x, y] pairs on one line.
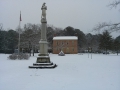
[[43, 59], [43, 56]]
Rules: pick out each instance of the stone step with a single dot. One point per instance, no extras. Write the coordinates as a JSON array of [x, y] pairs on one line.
[[43, 66], [43, 63]]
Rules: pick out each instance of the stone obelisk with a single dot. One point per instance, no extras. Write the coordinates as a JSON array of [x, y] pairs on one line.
[[43, 56], [43, 59]]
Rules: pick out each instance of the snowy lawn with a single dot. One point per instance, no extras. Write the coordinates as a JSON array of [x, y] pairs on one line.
[[74, 72]]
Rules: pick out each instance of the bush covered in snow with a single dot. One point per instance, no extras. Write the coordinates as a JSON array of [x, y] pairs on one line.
[[20, 56]]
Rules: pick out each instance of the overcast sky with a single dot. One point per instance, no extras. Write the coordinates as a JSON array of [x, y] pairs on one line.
[[80, 14]]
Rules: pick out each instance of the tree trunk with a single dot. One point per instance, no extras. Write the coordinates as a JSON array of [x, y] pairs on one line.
[[106, 51], [30, 52], [117, 52], [33, 49]]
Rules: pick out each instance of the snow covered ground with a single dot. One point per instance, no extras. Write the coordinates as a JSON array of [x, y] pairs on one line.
[[74, 72]]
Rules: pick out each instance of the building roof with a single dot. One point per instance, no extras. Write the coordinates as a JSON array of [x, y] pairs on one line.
[[65, 38]]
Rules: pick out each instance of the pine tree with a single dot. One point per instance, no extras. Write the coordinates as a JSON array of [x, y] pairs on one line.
[[105, 41], [117, 44]]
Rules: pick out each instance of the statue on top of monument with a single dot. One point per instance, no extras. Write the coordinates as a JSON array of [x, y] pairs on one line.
[[43, 8]]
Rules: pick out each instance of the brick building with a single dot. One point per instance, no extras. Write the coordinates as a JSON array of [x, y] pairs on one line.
[[68, 44]]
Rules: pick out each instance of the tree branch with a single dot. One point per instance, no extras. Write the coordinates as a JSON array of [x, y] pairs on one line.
[[1, 26], [114, 4], [107, 26]]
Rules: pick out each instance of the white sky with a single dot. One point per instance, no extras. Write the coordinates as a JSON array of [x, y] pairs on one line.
[[80, 14]]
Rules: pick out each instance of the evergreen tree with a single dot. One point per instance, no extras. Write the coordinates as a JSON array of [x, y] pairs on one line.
[[69, 31], [3, 36], [105, 41], [118, 38], [8, 41], [117, 44], [81, 39], [12, 40]]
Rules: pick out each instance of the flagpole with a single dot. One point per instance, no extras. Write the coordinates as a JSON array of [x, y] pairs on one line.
[[19, 34], [19, 39]]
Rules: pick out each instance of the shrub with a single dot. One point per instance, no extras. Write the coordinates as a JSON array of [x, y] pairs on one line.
[[20, 56], [13, 56]]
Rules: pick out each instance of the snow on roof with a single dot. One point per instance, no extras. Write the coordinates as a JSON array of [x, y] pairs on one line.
[[65, 38]]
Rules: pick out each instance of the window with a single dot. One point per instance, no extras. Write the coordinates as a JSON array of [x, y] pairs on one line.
[[67, 42], [72, 42], [57, 42], [57, 49]]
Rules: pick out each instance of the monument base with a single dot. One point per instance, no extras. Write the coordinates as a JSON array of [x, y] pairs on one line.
[[43, 59], [43, 62], [43, 65], [43, 54]]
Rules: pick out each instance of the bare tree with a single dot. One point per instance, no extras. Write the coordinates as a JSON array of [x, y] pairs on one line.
[[111, 27], [107, 26], [30, 37], [114, 4]]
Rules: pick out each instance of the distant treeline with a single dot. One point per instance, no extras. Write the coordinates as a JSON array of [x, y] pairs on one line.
[[30, 37]]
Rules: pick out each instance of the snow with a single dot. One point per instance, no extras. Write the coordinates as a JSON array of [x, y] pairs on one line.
[[65, 38], [74, 72]]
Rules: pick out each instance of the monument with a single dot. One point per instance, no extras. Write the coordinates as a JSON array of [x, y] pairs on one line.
[[61, 53], [43, 59]]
